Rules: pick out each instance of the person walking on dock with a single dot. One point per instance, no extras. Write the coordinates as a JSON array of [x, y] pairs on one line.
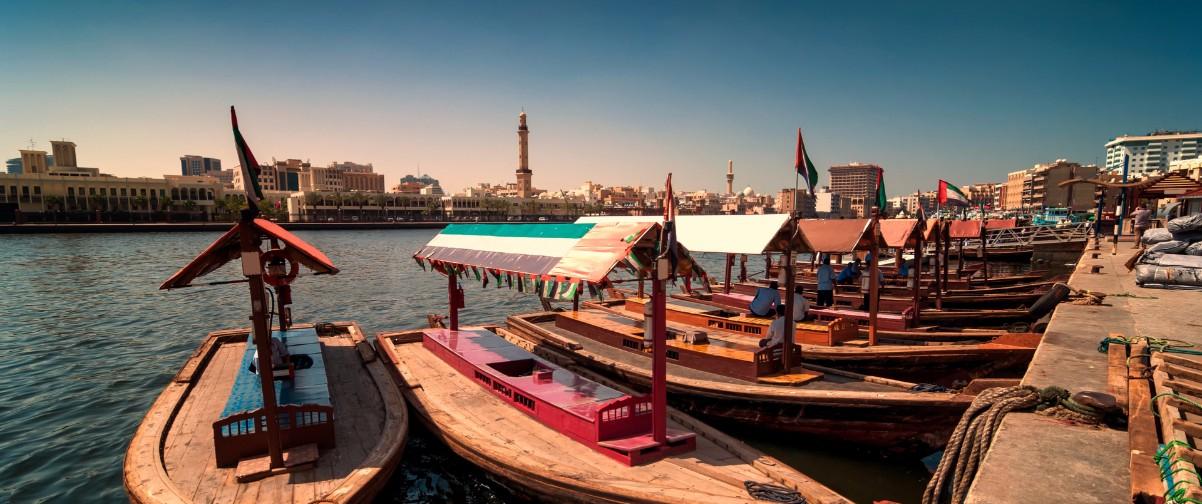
[[1140, 219], [826, 283], [765, 300]]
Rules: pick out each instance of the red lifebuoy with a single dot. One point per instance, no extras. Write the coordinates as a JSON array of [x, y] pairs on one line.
[[277, 280]]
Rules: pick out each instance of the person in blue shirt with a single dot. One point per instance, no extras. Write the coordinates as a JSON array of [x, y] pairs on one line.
[[766, 300], [849, 273], [826, 282]]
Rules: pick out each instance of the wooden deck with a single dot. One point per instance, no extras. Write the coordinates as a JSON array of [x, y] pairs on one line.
[[505, 441], [171, 458]]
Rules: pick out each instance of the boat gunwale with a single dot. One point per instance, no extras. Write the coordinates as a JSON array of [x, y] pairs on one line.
[[151, 433]]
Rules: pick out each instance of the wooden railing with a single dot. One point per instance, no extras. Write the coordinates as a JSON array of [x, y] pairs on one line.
[[245, 434]]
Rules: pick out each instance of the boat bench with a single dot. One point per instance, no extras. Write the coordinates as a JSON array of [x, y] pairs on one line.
[[305, 412]]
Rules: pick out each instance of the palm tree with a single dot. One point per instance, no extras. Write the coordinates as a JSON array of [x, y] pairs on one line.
[[165, 205]]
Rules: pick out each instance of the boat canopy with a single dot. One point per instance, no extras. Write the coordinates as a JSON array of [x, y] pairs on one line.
[[1001, 223], [960, 229], [725, 234], [227, 248], [901, 233], [837, 235], [563, 253]]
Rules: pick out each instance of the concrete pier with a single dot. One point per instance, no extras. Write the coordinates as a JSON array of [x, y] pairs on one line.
[[1037, 459]]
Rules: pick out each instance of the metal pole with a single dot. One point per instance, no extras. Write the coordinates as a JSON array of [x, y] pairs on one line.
[[253, 270]]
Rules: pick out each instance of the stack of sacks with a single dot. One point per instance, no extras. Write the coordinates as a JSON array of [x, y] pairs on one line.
[[1174, 254]]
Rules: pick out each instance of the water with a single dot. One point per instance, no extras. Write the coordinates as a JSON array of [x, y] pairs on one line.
[[89, 341]]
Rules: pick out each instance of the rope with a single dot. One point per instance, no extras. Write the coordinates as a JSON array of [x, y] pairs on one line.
[[1087, 297], [1167, 345], [974, 433], [1168, 455], [773, 493]]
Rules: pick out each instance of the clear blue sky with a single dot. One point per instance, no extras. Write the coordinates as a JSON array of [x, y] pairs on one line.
[[618, 93]]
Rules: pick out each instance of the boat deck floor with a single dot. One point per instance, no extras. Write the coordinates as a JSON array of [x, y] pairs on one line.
[[188, 450], [828, 381], [501, 437]]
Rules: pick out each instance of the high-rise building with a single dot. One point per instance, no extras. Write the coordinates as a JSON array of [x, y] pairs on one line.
[[13, 166], [525, 188], [856, 182], [1152, 153], [198, 165], [64, 153]]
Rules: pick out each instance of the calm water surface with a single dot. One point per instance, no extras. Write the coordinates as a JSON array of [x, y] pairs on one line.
[[88, 342]]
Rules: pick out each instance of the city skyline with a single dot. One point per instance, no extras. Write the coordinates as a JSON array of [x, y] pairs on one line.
[[613, 98]]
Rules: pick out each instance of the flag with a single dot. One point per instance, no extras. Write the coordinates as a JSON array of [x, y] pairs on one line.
[[250, 167], [880, 189], [803, 165], [667, 240], [950, 194]]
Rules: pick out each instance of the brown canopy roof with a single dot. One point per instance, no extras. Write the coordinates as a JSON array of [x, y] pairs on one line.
[[900, 233], [227, 248], [1170, 184], [964, 228], [838, 235], [1000, 223]]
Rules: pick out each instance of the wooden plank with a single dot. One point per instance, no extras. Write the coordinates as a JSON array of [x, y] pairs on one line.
[[1116, 372], [1185, 473], [1146, 485]]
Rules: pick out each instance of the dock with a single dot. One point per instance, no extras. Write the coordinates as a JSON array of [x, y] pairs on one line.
[[1034, 458]]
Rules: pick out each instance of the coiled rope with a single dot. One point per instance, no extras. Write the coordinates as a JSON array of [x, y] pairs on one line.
[[1168, 345], [773, 493], [970, 441]]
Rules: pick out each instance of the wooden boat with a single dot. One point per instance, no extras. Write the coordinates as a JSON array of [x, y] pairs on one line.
[[828, 403], [298, 413], [1010, 254], [487, 429], [835, 343], [548, 430]]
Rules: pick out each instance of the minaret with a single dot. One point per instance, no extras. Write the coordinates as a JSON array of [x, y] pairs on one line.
[[730, 176], [525, 189]]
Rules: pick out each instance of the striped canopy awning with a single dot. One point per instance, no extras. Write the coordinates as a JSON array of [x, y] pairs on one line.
[[564, 253]]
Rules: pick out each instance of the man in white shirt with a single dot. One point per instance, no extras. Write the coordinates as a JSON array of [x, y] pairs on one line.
[[864, 287], [799, 303], [776, 330]]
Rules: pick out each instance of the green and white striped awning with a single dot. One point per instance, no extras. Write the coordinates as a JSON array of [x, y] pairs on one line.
[[567, 252]]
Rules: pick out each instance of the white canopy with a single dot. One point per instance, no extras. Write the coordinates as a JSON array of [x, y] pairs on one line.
[[726, 234]]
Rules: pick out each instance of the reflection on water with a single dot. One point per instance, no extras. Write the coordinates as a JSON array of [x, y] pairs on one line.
[[89, 341]]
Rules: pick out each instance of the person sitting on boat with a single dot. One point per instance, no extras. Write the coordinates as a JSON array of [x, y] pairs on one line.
[[765, 300], [799, 303], [826, 282], [850, 273], [776, 331], [907, 272], [279, 356]]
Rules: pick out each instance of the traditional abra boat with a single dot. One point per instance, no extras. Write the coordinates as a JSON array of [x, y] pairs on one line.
[[301, 413], [526, 419]]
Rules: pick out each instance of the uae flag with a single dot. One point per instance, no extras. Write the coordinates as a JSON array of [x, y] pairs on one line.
[[880, 189], [803, 165], [250, 167], [951, 195]]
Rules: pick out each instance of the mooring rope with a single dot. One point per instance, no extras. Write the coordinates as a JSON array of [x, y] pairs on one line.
[[1167, 345], [970, 441], [773, 493]]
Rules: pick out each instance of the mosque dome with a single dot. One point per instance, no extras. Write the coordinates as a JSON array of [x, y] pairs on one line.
[[748, 192]]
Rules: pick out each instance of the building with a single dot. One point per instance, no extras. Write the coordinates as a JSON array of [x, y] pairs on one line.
[[855, 181], [912, 203], [730, 177], [1152, 153], [363, 181], [64, 153], [199, 165], [1014, 190], [984, 194], [13, 166], [525, 187], [805, 202], [1037, 188]]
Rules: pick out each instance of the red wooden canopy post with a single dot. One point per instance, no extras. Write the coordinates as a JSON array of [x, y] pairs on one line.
[[790, 324], [873, 284], [659, 353], [947, 251], [984, 258], [453, 298], [917, 275], [730, 263], [252, 268]]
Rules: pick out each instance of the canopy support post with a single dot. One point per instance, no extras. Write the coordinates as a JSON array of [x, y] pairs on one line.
[[790, 324], [768, 265], [960, 258], [730, 263], [917, 272], [743, 268], [659, 354], [984, 258], [873, 284], [252, 268], [642, 291], [939, 262], [454, 299]]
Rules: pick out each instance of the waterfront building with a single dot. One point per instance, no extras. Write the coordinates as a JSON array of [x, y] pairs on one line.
[[525, 187], [805, 202], [190, 164], [855, 181], [1037, 188], [1153, 153], [64, 153], [830, 205]]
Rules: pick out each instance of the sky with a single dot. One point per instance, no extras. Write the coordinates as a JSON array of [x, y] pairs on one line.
[[618, 93]]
